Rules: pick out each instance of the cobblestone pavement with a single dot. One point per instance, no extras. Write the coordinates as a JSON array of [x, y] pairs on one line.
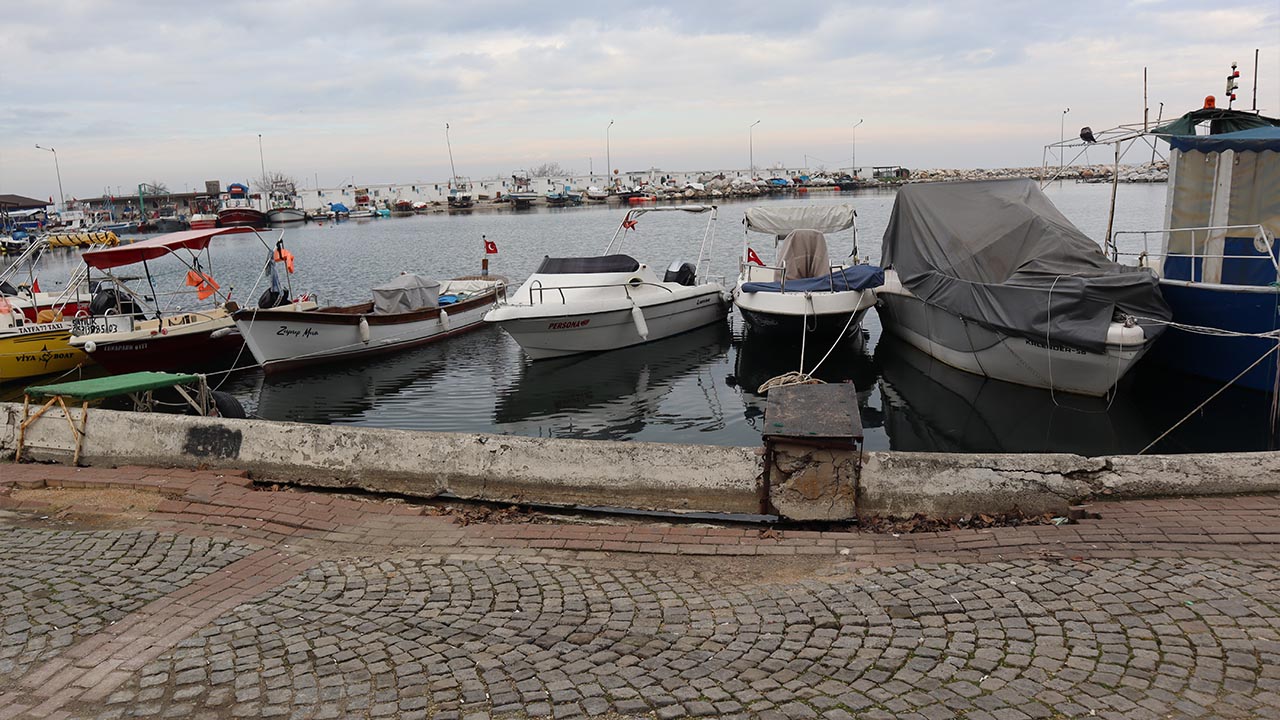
[[1159, 609]]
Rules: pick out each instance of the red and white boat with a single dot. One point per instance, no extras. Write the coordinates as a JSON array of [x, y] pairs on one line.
[[124, 337], [204, 213], [238, 209]]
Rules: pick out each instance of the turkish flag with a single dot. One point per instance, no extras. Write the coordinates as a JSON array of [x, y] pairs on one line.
[[629, 224], [35, 285], [490, 247], [752, 257]]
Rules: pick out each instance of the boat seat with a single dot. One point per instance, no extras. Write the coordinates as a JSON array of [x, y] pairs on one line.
[[577, 265], [804, 255]]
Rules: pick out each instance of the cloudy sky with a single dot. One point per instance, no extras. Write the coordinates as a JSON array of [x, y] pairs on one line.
[[178, 92]]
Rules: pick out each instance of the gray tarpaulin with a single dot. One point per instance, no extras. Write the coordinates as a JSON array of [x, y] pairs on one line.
[[999, 253], [405, 293], [804, 254]]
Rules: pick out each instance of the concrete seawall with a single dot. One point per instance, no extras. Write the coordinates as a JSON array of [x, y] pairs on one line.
[[646, 476]]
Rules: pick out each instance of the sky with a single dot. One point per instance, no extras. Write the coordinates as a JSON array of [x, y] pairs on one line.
[[341, 92]]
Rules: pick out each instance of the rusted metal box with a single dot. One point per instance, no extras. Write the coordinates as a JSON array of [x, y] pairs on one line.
[[812, 452]]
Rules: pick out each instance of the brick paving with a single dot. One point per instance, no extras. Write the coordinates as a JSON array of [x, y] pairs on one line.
[[230, 602]]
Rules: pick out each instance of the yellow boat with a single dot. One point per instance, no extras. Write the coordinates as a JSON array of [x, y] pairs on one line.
[[30, 349]]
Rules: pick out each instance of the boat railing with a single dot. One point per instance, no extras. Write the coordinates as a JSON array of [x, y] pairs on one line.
[[1200, 238], [626, 287]]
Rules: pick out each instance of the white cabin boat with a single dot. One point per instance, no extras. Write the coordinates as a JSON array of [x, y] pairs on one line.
[[593, 304]]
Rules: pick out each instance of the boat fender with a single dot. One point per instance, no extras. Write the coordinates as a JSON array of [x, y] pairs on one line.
[[364, 330], [90, 346], [220, 333], [444, 319], [637, 317]]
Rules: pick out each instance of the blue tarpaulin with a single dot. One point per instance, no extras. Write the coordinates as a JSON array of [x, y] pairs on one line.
[[338, 208], [857, 277], [1255, 140]]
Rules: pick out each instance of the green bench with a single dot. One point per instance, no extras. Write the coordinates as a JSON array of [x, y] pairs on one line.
[[139, 386]]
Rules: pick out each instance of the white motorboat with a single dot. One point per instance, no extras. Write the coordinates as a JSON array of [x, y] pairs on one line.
[[803, 291], [406, 312], [989, 277], [592, 304]]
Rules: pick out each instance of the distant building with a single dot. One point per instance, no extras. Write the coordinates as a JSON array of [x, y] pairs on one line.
[[21, 202]]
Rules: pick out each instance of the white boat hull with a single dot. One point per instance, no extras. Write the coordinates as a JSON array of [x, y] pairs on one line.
[[603, 318], [980, 350], [787, 312], [281, 216], [280, 341]]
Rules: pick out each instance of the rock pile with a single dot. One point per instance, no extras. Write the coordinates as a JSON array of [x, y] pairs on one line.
[[1145, 173]]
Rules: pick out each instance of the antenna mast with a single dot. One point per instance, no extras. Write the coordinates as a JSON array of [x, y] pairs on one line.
[[1255, 80]]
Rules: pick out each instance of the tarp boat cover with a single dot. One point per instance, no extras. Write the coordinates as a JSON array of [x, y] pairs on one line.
[[405, 293], [857, 277], [999, 253]]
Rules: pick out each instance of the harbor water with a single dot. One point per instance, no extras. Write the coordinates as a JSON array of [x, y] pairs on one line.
[[695, 388]]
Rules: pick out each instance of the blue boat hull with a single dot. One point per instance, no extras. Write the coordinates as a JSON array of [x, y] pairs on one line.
[[1221, 358]]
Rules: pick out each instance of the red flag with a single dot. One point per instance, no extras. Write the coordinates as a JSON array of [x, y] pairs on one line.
[[490, 247], [35, 285], [629, 224], [752, 257]]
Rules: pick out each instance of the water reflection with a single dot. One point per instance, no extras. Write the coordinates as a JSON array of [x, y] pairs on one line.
[[337, 393], [931, 406], [760, 359], [618, 394]]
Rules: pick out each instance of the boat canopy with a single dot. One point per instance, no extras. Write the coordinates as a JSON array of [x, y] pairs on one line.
[[1221, 121], [781, 221], [155, 247], [998, 252], [405, 293]]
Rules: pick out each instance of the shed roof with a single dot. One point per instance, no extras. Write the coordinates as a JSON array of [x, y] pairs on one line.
[[21, 202]]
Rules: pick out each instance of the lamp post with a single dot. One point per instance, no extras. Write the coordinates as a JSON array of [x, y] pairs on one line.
[[608, 155], [751, 147], [1062, 138], [61, 198], [853, 159]]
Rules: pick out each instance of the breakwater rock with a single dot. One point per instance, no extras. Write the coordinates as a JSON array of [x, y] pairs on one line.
[[1145, 173]]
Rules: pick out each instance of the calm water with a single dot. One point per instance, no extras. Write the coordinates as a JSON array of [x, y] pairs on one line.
[[699, 387]]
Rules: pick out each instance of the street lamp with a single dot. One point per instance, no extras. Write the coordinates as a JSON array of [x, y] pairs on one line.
[[61, 198], [853, 159], [1062, 151], [608, 156], [751, 147]]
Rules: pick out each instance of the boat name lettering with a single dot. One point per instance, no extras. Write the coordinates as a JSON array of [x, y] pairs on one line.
[[568, 324], [101, 324], [705, 300], [1054, 346], [286, 331], [44, 357]]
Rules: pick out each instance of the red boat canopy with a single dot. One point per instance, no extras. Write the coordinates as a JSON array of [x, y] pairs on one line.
[[155, 247]]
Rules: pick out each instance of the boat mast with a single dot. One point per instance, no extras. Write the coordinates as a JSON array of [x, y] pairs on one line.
[[262, 166], [452, 169]]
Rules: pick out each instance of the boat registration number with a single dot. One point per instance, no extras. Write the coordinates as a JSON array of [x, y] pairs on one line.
[[101, 324]]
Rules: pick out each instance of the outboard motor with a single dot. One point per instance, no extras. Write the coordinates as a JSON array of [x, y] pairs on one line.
[[272, 298], [109, 300], [681, 274]]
